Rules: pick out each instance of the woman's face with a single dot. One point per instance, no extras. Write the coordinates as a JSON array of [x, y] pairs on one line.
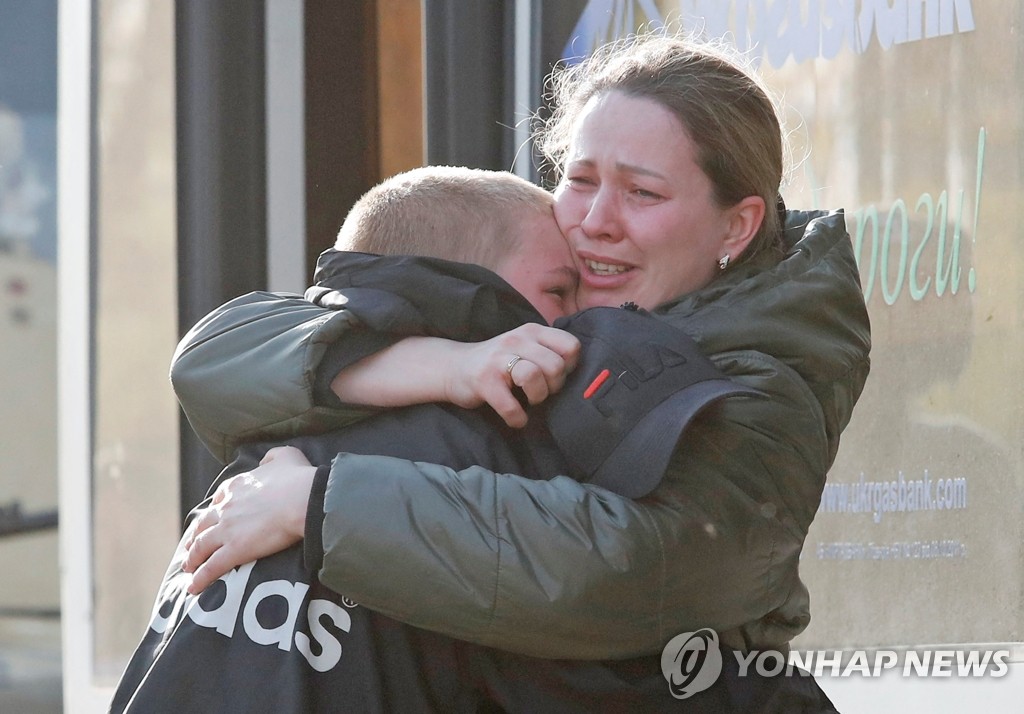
[[635, 207]]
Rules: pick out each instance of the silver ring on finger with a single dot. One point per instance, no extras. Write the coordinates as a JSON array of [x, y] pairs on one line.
[[512, 363]]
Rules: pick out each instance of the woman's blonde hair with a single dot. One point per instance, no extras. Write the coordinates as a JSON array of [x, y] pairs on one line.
[[723, 107], [450, 212]]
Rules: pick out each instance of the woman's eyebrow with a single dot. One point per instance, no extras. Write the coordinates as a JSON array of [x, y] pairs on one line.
[[620, 166], [635, 169]]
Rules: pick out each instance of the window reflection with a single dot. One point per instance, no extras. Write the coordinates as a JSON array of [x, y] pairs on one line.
[[30, 675], [135, 458]]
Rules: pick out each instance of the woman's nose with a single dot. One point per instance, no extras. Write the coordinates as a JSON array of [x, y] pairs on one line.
[[602, 219]]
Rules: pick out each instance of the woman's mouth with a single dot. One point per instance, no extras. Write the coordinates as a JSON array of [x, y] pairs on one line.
[[604, 269]]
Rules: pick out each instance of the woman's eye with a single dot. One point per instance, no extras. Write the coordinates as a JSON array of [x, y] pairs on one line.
[[644, 193], [579, 180]]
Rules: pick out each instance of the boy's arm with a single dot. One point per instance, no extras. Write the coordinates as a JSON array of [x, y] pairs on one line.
[[255, 368], [263, 366], [248, 370]]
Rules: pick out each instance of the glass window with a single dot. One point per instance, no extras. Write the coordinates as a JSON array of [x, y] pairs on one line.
[[30, 675], [135, 440]]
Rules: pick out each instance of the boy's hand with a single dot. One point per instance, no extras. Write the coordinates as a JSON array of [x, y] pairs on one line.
[[487, 372], [250, 516]]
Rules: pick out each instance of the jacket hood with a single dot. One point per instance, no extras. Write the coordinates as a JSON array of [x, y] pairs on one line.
[[387, 294], [806, 310]]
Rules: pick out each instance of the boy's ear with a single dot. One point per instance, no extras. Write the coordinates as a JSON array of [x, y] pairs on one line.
[[745, 220]]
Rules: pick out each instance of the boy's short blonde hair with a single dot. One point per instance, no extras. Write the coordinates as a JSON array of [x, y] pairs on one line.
[[450, 212]]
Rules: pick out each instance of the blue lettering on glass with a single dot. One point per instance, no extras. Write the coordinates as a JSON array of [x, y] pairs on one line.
[[911, 269], [898, 209], [898, 495], [605, 20], [775, 30]]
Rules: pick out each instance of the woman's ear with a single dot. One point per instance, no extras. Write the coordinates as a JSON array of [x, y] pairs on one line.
[[745, 220]]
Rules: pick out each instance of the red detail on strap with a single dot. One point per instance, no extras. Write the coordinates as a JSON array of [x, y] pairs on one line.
[[596, 384]]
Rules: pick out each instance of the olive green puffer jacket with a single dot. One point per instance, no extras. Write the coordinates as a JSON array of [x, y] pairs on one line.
[[558, 568]]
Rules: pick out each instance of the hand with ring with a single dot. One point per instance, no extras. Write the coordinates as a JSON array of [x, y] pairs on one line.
[[535, 358], [512, 363]]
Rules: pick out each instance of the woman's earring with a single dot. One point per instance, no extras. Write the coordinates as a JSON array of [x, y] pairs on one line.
[[723, 262]]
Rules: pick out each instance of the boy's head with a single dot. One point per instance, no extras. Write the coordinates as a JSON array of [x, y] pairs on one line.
[[491, 218]]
